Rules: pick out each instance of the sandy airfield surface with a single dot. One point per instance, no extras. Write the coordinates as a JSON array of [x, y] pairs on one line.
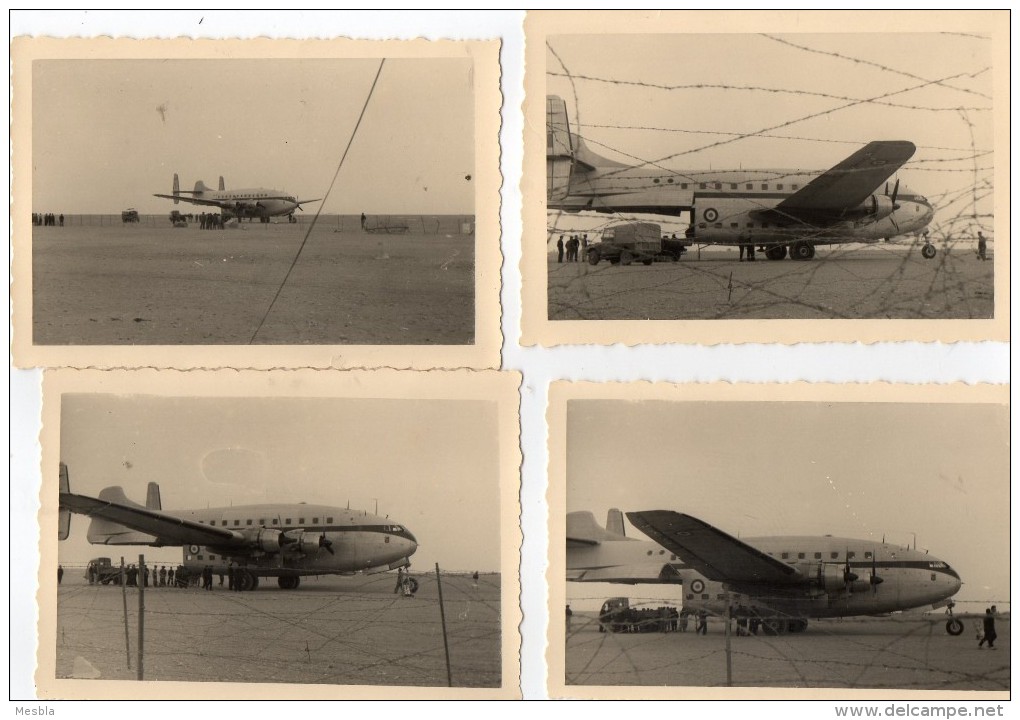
[[141, 285], [341, 631], [843, 282], [909, 653]]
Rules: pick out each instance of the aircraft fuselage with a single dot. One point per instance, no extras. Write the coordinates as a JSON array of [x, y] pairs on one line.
[[359, 541], [904, 578], [730, 207]]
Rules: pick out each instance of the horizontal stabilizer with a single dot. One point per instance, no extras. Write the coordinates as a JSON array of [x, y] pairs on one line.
[[582, 529]]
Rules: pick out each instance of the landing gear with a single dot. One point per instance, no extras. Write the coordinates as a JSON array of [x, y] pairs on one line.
[[247, 579], [801, 250], [927, 251], [774, 627], [797, 626], [288, 582], [776, 252], [954, 626]]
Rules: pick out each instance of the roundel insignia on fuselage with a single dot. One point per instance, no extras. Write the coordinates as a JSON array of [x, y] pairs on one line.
[[193, 549], [711, 214], [697, 586]]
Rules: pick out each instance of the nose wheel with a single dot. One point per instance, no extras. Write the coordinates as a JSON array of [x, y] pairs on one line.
[[954, 626], [928, 252]]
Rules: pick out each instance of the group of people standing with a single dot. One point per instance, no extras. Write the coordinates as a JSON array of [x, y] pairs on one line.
[[571, 246], [210, 221], [48, 219]]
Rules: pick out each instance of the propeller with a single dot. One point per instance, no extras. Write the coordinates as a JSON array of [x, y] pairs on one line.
[[875, 580], [849, 577], [895, 207], [325, 542]]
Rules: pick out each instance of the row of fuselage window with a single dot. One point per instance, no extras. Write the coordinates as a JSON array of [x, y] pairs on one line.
[[764, 226], [719, 186], [262, 522], [800, 556]]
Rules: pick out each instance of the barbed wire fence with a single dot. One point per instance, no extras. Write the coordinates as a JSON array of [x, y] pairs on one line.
[[858, 280], [369, 634], [901, 652]]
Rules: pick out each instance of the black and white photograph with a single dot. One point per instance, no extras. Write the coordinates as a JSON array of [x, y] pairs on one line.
[[211, 194], [739, 175], [755, 542], [307, 533]]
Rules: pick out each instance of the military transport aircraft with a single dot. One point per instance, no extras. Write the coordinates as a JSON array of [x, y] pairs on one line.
[[282, 541], [779, 210], [784, 580], [246, 202]]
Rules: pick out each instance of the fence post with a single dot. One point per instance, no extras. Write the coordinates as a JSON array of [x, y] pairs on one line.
[[442, 616], [123, 593], [141, 617], [729, 655]]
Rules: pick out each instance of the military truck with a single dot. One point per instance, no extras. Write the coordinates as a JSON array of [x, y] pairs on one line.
[[623, 244], [130, 216], [101, 570]]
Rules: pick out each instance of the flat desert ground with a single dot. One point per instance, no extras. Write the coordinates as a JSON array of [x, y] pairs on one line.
[[843, 282], [907, 652], [144, 285], [338, 631]]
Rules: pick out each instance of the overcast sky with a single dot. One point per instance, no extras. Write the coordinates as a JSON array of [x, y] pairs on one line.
[[678, 124], [847, 469], [107, 134], [431, 464]]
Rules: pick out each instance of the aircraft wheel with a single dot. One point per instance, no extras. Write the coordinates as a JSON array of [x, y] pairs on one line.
[[247, 580], [774, 627], [647, 261], [626, 258], [614, 261], [954, 626], [593, 257], [802, 251], [776, 252], [289, 582], [928, 251], [796, 626]]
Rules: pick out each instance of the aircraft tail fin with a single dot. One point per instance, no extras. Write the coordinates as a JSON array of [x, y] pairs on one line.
[[559, 148], [64, 517], [177, 189], [614, 522], [107, 532], [223, 185], [152, 498], [566, 153], [583, 529], [200, 187]]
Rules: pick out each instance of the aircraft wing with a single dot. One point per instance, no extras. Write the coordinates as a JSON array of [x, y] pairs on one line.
[[849, 183], [113, 505], [194, 201], [712, 552]]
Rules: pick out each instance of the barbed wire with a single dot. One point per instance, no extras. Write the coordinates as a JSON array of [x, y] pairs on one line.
[[772, 90]]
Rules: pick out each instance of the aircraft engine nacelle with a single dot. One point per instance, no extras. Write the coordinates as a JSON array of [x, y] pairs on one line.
[[833, 577], [878, 206], [266, 540], [304, 542]]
